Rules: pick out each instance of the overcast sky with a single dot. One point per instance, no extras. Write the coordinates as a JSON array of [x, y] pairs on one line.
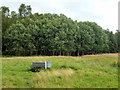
[[103, 12]]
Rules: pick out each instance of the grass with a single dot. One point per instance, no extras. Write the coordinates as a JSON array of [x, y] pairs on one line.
[[89, 71]]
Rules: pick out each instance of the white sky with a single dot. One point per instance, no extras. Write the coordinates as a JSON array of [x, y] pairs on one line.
[[103, 12]]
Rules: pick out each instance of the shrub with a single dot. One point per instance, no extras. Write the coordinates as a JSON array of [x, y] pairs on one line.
[[115, 64]]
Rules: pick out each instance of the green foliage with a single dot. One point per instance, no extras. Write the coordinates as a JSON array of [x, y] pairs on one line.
[[113, 44], [115, 64], [24, 11], [52, 34], [18, 39]]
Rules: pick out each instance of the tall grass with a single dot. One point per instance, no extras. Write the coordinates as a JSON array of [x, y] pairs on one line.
[[90, 71]]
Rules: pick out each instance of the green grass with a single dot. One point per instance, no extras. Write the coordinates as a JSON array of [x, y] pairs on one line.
[[90, 71]]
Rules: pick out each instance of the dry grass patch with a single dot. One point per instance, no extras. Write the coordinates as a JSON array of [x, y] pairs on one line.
[[48, 73], [27, 57], [106, 54], [37, 57], [49, 78], [44, 75]]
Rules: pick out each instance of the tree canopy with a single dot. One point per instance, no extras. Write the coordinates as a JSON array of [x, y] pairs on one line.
[[25, 33]]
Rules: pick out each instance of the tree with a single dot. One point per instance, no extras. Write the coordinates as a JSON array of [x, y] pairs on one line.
[[117, 37], [5, 11], [25, 33], [112, 41], [18, 40], [5, 18], [24, 11], [14, 15], [85, 39], [101, 41]]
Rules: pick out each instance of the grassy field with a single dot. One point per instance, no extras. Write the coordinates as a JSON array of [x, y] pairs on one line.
[[89, 71]]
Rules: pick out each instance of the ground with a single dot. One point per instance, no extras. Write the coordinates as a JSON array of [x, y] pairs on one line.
[[88, 71]]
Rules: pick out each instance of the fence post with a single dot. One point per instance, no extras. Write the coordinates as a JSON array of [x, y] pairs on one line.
[[45, 65]]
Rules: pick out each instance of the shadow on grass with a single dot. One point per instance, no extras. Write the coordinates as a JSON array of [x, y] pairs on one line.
[[31, 69], [72, 67], [36, 69]]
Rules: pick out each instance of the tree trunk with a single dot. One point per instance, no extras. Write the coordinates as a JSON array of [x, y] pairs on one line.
[[82, 52], [63, 53], [78, 53], [31, 53], [53, 53], [67, 53], [60, 53]]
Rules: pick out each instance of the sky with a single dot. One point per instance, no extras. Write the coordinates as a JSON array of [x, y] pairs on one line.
[[103, 12]]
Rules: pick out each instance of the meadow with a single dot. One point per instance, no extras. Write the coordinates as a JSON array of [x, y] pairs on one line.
[[88, 71]]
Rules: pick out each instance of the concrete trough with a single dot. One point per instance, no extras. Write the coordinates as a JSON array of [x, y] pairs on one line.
[[46, 64]]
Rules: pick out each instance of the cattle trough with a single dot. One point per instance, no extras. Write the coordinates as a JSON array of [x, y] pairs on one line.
[[46, 64]]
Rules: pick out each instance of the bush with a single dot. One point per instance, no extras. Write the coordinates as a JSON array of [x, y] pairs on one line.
[[115, 64]]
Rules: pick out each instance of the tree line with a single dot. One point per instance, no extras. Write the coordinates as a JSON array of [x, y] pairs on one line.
[[24, 33]]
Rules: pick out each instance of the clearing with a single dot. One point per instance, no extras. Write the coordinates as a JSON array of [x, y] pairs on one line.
[[89, 71]]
